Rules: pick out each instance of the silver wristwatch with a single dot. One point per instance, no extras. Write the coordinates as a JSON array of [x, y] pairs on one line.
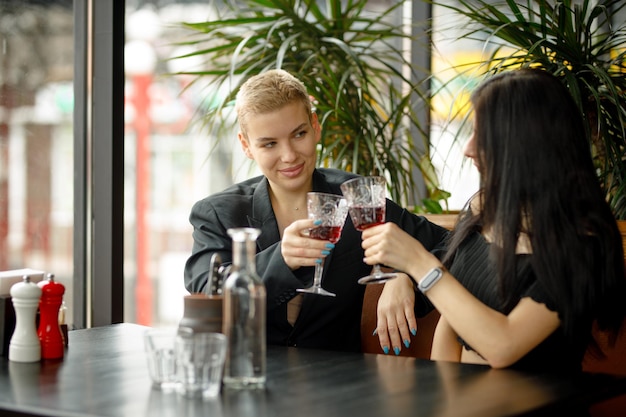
[[430, 279]]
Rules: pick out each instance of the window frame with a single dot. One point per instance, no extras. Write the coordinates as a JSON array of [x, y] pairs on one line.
[[98, 162]]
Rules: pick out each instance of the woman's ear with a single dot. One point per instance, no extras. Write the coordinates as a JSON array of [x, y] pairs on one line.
[[245, 145]]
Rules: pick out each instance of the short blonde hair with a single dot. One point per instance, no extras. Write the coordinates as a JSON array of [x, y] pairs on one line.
[[267, 92]]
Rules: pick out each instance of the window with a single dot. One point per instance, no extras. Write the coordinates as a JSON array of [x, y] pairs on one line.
[[36, 139], [65, 158], [169, 164]]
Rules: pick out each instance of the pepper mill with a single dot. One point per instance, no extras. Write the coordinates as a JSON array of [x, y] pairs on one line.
[[49, 332], [203, 311], [24, 345]]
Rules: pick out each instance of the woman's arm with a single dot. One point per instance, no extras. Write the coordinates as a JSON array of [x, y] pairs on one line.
[[210, 235], [446, 347], [395, 314], [500, 339]]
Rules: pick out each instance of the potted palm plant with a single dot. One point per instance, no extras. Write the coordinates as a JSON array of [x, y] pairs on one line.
[[356, 69], [579, 42]]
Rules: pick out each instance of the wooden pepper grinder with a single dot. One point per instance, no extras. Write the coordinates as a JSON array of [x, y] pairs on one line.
[[50, 336], [25, 345], [203, 311]]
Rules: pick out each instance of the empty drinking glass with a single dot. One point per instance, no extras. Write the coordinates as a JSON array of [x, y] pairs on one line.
[[159, 347], [200, 363]]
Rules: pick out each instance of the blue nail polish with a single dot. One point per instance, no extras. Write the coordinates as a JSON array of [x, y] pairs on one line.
[[325, 252], [413, 331], [317, 222], [386, 349], [330, 246], [318, 261], [396, 350], [407, 343], [375, 332]]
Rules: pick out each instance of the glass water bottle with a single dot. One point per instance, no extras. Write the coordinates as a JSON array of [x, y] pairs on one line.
[[244, 315]]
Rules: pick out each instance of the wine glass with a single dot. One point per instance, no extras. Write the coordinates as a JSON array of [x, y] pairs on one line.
[[330, 211], [366, 202]]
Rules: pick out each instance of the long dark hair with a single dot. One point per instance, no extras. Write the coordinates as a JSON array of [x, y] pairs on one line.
[[537, 177]]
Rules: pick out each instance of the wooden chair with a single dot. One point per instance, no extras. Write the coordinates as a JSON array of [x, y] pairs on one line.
[[613, 363]]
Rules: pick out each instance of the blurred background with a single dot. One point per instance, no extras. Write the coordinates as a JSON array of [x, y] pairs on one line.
[[169, 162]]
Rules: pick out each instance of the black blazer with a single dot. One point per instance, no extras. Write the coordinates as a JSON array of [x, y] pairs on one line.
[[323, 322]]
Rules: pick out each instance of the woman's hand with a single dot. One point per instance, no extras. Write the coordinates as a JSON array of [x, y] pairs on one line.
[[388, 245], [300, 250], [396, 320]]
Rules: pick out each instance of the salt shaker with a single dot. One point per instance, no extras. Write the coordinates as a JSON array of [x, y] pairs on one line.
[[50, 336], [24, 345]]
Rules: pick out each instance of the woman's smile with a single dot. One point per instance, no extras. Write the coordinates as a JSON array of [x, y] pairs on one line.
[[292, 172]]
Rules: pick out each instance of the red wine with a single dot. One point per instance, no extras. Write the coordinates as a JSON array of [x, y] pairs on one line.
[[331, 233], [367, 216]]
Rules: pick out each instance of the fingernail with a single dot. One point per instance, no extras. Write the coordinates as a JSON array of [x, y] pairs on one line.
[[330, 246], [396, 350], [375, 332], [325, 252], [386, 349], [407, 343], [414, 331], [318, 261], [317, 222]]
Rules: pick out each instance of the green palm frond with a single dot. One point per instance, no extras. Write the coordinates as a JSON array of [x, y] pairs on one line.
[[576, 41], [353, 62]]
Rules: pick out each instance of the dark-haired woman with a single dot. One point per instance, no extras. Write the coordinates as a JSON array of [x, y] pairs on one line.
[[536, 257]]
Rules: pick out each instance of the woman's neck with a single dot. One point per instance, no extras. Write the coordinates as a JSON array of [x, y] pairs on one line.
[[288, 207]]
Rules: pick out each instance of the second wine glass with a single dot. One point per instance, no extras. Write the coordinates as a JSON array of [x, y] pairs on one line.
[[367, 202], [330, 211]]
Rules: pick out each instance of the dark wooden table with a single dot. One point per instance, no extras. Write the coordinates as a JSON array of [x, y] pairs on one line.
[[104, 373]]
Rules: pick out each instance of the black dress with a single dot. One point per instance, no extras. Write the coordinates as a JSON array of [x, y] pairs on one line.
[[473, 267]]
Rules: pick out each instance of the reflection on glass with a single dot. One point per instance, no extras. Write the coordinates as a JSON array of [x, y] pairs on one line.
[[36, 139]]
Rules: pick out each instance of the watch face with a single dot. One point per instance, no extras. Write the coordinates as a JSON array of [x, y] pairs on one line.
[[430, 279]]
